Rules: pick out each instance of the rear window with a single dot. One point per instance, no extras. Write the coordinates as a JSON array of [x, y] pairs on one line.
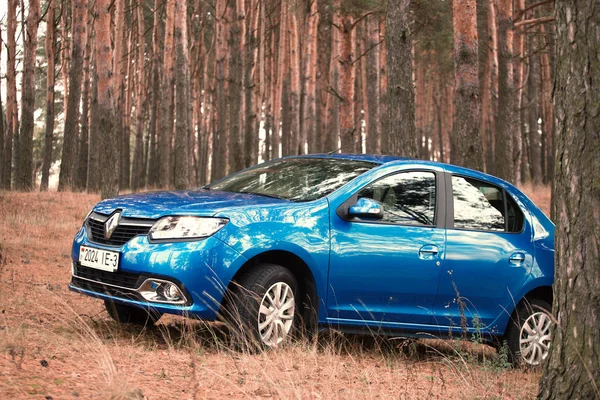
[[481, 206]]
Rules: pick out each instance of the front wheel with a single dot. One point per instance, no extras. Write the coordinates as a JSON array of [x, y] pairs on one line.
[[529, 333], [262, 309]]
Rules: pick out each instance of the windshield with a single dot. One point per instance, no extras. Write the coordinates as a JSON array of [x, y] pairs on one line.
[[294, 179]]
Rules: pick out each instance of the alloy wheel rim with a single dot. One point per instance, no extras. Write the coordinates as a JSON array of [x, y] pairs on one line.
[[276, 314], [534, 342]]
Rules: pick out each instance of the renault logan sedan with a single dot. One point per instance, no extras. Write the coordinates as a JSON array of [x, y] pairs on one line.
[[354, 242]]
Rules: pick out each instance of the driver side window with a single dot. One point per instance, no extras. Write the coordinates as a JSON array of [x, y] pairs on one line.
[[408, 198]]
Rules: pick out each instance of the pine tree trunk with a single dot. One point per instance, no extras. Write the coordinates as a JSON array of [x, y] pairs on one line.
[[399, 132], [519, 72], [1, 120], [165, 123], [506, 94], [11, 97], [157, 72], [138, 152], [24, 177], [309, 107], [182, 82], [220, 139], [547, 112], [349, 136], [84, 137], [535, 159], [235, 93], [332, 135], [465, 139], [71, 134], [571, 370], [252, 90], [120, 72], [49, 45], [125, 166], [94, 174], [108, 134], [323, 68], [373, 89], [295, 73]]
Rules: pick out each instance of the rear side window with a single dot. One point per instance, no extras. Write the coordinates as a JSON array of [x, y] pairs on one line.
[[483, 207], [408, 198]]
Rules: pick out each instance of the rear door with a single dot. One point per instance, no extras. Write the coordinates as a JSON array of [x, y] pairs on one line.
[[488, 254], [388, 270]]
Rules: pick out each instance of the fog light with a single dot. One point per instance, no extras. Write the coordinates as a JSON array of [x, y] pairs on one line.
[[161, 291], [172, 292]]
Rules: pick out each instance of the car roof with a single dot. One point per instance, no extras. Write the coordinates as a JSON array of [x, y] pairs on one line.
[[376, 158]]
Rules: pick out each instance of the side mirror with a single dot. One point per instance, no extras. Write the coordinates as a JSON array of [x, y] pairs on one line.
[[366, 208]]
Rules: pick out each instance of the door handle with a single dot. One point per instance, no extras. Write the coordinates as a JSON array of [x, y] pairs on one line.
[[428, 252], [517, 259]]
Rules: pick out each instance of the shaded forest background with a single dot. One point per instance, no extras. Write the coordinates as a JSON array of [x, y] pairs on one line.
[[132, 94]]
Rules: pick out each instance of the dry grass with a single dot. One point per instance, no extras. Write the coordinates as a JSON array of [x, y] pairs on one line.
[[60, 344]]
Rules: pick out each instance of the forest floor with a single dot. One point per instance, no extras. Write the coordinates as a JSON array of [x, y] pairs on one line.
[[58, 344]]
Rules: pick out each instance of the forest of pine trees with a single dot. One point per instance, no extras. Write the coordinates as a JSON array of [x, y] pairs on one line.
[[116, 95]]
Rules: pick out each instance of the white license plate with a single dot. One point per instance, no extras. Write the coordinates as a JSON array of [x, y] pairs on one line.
[[99, 259]]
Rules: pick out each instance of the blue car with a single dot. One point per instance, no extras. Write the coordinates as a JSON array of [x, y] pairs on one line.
[[357, 243]]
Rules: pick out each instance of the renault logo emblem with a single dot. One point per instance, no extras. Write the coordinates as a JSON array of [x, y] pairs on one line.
[[111, 224]]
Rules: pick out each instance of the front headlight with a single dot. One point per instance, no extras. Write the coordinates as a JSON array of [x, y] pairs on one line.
[[169, 228]]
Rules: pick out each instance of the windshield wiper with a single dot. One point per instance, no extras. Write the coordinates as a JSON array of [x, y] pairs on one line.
[[272, 196]]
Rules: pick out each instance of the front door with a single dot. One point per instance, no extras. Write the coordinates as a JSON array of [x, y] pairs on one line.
[[388, 270]]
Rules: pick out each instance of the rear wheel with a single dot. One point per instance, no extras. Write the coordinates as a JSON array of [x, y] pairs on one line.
[[125, 314], [529, 333], [262, 309]]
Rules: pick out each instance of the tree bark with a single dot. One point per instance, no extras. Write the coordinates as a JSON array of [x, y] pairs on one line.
[[400, 130], [84, 136], [235, 93], [1, 119], [182, 83], [94, 174], [71, 134], [24, 177], [323, 59], [252, 88], [11, 96], [165, 122], [109, 139], [349, 134], [49, 44], [519, 74], [157, 72], [138, 152], [309, 107], [547, 112], [373, 89], [466, 139], [506, 94], [220, 139], [571, 370], [120, 66]]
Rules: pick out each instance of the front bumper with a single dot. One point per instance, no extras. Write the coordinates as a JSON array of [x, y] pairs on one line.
[[202, 269]]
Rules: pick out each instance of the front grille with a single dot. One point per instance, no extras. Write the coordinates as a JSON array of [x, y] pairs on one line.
[[121, 235], [122, 279]]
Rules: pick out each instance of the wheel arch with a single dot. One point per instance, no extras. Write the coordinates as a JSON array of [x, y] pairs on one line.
[[309, 306], [541, 292]]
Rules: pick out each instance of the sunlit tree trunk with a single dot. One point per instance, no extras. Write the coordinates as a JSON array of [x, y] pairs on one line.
[[252, 86], [295, 73], [24, 177], [465, 138], [109, 139], [49, 45], [399, 132], [323, 61], [311, 48], [571, 370]]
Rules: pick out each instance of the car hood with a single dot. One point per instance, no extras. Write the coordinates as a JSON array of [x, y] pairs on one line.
[[183, 202]]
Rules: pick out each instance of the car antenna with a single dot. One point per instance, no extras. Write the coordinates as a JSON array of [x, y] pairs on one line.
[[343, 147]]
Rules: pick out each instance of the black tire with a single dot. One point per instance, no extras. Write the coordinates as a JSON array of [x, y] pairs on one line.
[[513, 332], [125, 314], [241, 308]]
